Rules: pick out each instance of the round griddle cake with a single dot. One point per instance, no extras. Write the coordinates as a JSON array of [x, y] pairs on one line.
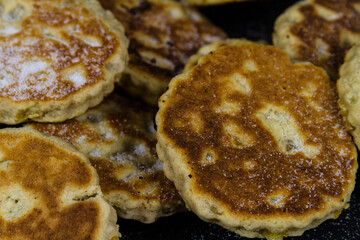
[[348, 87], [119, 138], [57, 58], [49, 190], [163, 34], [255, 143], [319, 31]]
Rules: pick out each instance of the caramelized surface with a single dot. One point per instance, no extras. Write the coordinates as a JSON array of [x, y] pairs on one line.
[[163, 34], [260, 135], [50, 50], [36, 175], [336, 29], [119, 137]]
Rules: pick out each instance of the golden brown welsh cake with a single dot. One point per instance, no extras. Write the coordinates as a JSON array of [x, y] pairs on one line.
[[255, 143], [49, 190], [119, 138], [57, 58], [319, 31], [163, 35], [348, 87]]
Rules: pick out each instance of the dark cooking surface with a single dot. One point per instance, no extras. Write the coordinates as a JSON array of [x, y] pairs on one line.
[[254, 21]]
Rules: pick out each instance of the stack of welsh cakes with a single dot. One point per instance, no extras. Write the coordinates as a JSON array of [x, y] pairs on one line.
[[141, 109]]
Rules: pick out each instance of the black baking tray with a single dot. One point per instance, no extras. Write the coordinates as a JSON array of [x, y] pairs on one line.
[[253, 20]]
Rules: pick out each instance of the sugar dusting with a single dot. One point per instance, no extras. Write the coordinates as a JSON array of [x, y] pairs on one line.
[[139, 155], [9, 31], [21, 76], [77, 79], [28, 68], [25, 75], [140, 149]]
